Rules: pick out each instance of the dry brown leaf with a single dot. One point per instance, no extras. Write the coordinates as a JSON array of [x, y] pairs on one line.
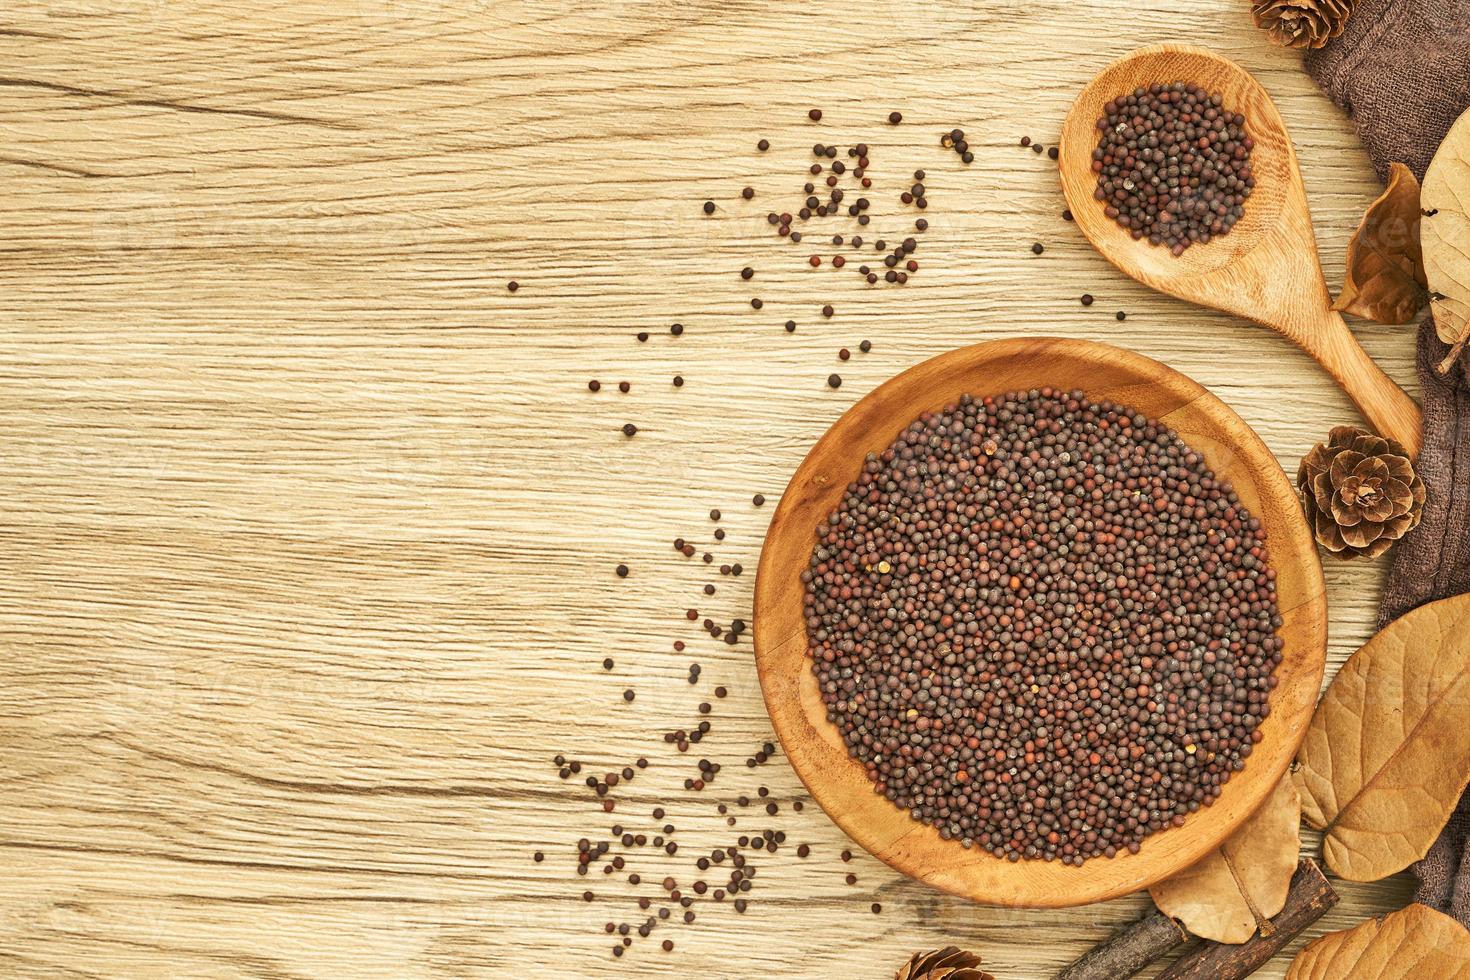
[[1446, 237], [1388, 752], [1385, 268], [1235, 888], [1414, 943]]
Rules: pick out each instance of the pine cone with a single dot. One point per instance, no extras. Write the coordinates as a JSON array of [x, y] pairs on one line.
[[1360, 492], [949, 963], [1302, 23]]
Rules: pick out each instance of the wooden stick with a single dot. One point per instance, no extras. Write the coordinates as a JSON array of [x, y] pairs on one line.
[[1309, 899], [1129, 951]]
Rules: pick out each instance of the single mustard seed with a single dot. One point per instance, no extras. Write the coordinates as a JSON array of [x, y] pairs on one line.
[[622, 571], [512, 285], [594, 385], [1037, 248], [1086, 299], [834, 381], [1120, 315], [895, 118], [709, 207], [628, 695], [630, 430], [814, 115]]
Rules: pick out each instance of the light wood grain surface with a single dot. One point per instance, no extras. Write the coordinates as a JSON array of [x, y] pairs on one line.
[[309, 524]]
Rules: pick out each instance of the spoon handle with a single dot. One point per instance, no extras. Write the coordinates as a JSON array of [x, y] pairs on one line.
[[1385, 405]]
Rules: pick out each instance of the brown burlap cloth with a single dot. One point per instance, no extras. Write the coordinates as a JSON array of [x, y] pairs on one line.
[[1401, 69]]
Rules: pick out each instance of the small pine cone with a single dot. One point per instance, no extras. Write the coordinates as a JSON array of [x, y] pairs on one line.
[[1360, 493], [949, 963], [1302, 23]]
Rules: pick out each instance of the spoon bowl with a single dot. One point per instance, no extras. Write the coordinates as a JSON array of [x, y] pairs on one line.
[[1266, 268]]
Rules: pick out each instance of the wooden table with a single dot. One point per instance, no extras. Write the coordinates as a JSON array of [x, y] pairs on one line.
[[310, 524]]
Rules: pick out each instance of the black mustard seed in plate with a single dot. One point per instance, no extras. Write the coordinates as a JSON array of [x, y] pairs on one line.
[[1043, 625]]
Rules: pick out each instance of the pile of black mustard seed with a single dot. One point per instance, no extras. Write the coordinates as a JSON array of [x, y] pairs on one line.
[[1173, 164], [1043, 625]]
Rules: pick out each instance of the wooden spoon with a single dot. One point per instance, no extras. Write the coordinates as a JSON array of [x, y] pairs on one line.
[[1266, 268]]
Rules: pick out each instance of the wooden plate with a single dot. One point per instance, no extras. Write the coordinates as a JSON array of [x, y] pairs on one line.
[[813, 744]]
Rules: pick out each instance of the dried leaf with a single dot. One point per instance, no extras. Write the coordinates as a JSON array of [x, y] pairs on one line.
[[1446, 236], [1388, 752], [1385, 268], [1235, 888], [1414, 943]]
